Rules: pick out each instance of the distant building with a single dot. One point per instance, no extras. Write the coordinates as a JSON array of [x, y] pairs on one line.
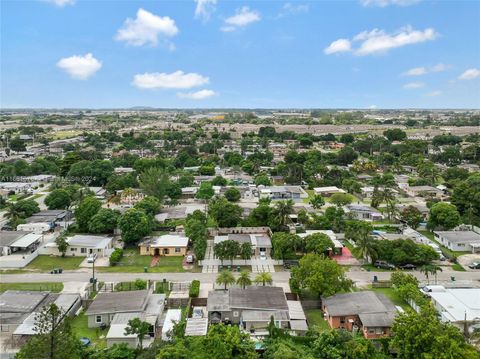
[[327, 191], [367, 312], [84, 245], [282, 192], [364, 212], [258, 237]]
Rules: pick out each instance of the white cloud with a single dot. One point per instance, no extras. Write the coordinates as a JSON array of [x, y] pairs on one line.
[[198, 95], [204, 9], [383, 3], [378, 41], [434, 93], [373, 107], [175, 80], [243, 16], [61, 3], [470, 74], [340, 45], [80, 67], [293, 9], [418, 71], [146, 28], [413, 85]]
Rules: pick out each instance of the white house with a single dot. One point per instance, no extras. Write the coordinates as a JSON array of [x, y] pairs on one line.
[[459, 240], [84, 245], [327, 191]]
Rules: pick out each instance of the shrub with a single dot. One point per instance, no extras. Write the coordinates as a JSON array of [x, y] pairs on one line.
[[116, 256], [140, 284], [194, 289]]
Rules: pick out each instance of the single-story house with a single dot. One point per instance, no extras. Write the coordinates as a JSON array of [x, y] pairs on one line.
[[367, 192], [173, 244], [52, 218], [14, 241], [189, 192], [337, 245], [459, 240], [455, 305], [84, 245], [123, 170], [258, 238], [364, 212], [327, 191], [368, 312], [282, 192], [423, 191]]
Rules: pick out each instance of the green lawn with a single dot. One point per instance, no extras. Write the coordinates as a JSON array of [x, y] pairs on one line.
[[393, 296], [81, 329], [458, 267], [372, 268], [315, 318], [38, 286], [133, 262], [47, 263]]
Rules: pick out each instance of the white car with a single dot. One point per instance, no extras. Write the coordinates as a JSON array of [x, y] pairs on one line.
[[91, 258], [190, 259]]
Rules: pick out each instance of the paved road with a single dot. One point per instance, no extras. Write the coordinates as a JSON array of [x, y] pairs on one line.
[[359, 276]]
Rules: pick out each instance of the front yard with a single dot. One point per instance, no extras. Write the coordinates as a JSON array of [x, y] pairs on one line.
[[38, 286], [133, 262], [46, 263]]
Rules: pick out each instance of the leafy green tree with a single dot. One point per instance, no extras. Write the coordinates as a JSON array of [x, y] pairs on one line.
[[232, 194], [466, 197], [263, 179], [400, 279], [92, 173], [322, 277], [150, 205], [318, 243], [340, 199], [53, 338], [412, 216], [225, 278], [58, 199], [104, 221], [244, 279], [135, 225], [282, 210], [226, 214], [219, 181], [154, 182], [62, 244], [84, 212], [423, 336], [228, 249], [246, 251], [186, 180], [346, 156], [205, 191], [395, 134], [139, 328], [264, 278], [443, 215], [317, 201]]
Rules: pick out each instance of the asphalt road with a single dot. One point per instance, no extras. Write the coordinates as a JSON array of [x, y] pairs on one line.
[[358, 276]]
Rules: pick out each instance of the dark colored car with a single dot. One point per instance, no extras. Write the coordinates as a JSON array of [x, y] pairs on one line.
[[474, 265], [408, 266], [384, 265]]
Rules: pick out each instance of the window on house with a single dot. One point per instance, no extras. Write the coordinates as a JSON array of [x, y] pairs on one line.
[[342, 320], [177, 249], [98, 319], [83, 250], [378, 331]]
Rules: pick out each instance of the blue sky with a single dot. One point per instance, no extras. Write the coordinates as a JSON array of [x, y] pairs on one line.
[[257, 54]]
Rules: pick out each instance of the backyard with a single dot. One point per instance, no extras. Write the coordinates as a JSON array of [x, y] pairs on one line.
[[46, 263], [38, 286], [315, 318], [393, 296], [81, 329]]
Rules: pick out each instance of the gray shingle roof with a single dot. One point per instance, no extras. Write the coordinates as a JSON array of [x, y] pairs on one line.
[[119, 302]]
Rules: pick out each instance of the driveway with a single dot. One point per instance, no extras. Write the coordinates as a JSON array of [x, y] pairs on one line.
[[100, 262], [467, 259]]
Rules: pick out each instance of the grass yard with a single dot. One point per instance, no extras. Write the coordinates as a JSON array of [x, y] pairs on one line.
[[81, 329], [315, 318], [458, 267], [46, 263], [393, 296], [372, 268], [133, 262], [60, 135], [38, 286]]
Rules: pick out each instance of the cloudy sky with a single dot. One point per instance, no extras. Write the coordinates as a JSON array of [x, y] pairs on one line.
[[219, 53]]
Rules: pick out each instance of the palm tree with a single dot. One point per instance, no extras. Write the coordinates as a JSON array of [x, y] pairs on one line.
[[264, 278], [244, 279], [364, 244], [428, 269], [434, 269], [283, 210], [226, 278]]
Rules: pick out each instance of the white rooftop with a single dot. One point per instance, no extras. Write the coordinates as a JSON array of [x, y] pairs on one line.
[[26, 240], [170, 240], [87, 240], [456, 302], [173, 316]]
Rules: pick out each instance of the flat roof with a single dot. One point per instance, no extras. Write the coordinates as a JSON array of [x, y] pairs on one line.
[[17, 301], [170, 240], [266, 298], [9, 237], [300, 325], [458, 301], [120, 322], [196, 327], [118, 302], [26, 241], [88, 240], [295, 310], [173, 316]]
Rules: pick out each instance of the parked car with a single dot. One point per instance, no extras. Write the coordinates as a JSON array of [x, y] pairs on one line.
[[384, 265], [408, 266], [91, 258], [190, 259], [474, 265]]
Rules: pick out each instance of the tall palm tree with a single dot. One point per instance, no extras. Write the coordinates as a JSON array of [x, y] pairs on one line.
[[225, 277], [428, 269], [264, 278], [364, 244], [283, 210], [434, 269], [244, 279]]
